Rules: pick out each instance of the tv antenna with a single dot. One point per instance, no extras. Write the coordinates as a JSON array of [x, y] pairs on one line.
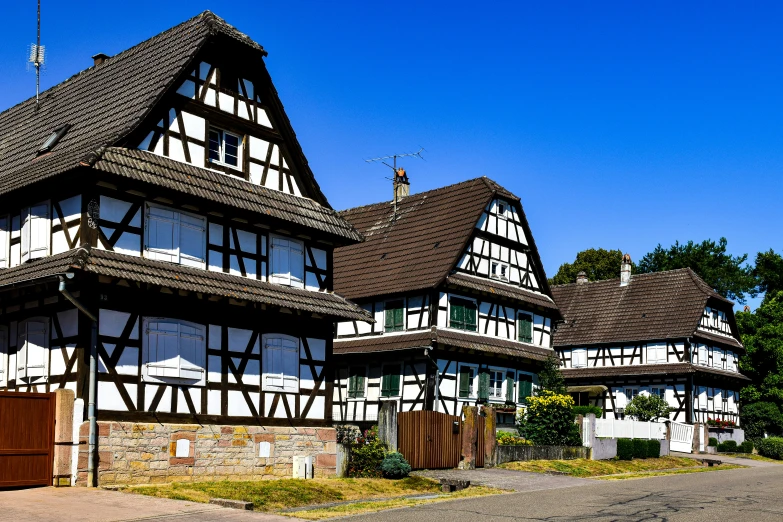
[[37, 57], [398, 173]]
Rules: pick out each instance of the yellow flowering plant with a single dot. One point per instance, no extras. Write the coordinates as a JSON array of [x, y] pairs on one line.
[[549, 420]]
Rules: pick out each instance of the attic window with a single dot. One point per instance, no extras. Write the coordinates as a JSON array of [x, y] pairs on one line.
[[54, 138]]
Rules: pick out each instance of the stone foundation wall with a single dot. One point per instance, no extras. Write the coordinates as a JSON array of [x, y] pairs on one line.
[[142, 453]]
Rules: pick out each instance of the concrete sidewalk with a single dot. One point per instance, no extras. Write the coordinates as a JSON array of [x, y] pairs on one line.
[[727, 460], [87, 505], [505, 478]]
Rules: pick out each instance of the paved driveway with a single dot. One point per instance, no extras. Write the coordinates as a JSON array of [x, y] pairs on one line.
[[506, 479], [87, 505]]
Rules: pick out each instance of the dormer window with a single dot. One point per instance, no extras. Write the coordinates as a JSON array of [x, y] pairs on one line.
[[54, 138], [499, 271], [224, 148], [501, 210]]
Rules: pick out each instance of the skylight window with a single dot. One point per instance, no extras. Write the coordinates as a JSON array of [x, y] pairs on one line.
[[54, 138]]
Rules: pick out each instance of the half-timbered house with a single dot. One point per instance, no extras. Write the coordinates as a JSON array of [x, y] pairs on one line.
[[663, 333], [463, 313], [163, 190]]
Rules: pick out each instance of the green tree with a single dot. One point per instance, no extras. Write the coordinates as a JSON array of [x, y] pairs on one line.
[[647, 408], [597, 263], [769, 272], [761, 418], [726, 274], [549, 420], [549, 377], [762, 334]]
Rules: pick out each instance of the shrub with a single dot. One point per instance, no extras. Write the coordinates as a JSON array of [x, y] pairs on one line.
[[394, 466], [746, 447], [367, 455], [713, 442], [717, 423], [625, 449], [639, 448], [508, 439], [648, 408], [549, 420], [653, 449], [761, 418], [729, 446], [771, 448], [587, 410]]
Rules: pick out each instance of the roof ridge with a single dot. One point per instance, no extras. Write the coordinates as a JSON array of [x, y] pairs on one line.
[[643, 274]]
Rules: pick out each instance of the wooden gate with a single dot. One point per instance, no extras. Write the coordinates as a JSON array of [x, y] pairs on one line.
[[26, 438], [429, 439]]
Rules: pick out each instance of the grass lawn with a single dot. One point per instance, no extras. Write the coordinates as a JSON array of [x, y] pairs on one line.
[[278, 495], [594, 468], [751, 456]]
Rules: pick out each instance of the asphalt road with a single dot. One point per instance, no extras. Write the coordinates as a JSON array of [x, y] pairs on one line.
[[752, 494]]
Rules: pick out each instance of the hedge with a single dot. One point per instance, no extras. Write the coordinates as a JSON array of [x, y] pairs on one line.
[[625, 449], [713, 442], [586, 410], [639, 448], [771, 447], [653, 449], [729, 446], [746, 447]]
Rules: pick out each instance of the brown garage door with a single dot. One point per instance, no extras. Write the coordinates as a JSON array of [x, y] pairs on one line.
[[26, 438]]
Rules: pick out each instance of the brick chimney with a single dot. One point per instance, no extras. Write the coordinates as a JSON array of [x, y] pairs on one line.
[[402, 187], [581, 278], [625, 270], [99, 58]]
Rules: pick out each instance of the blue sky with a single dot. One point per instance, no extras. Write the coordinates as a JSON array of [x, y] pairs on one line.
[[620, 125]]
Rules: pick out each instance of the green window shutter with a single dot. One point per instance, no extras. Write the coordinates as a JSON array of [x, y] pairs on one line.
[[464, 383], [393, 316], [399, 323], [525, 328], [394, 383], [389, 322], [470, 318], [390, 381], [509, 386], [483, 391], [356, 384], [525, 387], [457, 316]]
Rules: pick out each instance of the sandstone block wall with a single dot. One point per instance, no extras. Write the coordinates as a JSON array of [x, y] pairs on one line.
[[145, 453]]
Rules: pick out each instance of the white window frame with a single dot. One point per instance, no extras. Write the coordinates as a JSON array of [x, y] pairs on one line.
[[504, 213], [473, 389], [289, 383], [630, 392], [192, 373], [175, 253], [276, 274], [581, 351], [23, 368], [41, 221], [501, 392], [660, 391], [222, 148], [4, 370], [502, 268]]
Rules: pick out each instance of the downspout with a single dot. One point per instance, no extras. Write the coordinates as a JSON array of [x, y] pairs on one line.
[[92, 379], [437, 384]]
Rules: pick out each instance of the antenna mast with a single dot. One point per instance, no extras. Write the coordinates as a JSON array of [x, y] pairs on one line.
[[394, 168], [37, 58]]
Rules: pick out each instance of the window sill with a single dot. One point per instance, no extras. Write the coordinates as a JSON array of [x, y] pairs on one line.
[[356, 399]]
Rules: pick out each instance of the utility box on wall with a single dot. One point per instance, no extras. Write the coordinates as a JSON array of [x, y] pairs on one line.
[[303, 467]]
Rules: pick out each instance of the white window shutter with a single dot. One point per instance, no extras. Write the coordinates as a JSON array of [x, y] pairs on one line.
[[193, 240], [33, 347], [39, 231], [163, 353], [579, 358], [273, 363], [280, 271], [3, 356], [290, 365], [162, 234], [5, 241], [26, 224], [296, 264], [191, 352]]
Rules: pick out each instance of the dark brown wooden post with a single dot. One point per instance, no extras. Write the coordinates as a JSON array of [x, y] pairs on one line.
[[490, 439], [469, 437]]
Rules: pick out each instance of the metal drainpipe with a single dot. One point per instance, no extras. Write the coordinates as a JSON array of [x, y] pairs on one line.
[[92, 380], [437, 385]]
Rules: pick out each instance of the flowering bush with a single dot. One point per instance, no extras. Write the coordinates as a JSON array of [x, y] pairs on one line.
[[367, 454], [507, 439], [717, 423], [549, 420]]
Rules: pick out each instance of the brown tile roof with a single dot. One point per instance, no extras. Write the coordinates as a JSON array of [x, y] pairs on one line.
[[646, 369], [715, 338], [655, 306], [213, 186], [466, 341], [489, 286], [418, 249], [179, 277], [104, 104]]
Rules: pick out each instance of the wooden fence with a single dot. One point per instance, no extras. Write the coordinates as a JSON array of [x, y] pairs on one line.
[[430, 439]]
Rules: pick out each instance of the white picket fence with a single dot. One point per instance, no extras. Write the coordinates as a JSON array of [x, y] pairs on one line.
[[629, 429], [681, 437]]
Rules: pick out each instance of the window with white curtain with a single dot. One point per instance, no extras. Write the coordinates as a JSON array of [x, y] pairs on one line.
[[579, 358], [287, 262], [32, 357], [3, 356], [173, 349], [175, 236], [36, 231], [280, 363]]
